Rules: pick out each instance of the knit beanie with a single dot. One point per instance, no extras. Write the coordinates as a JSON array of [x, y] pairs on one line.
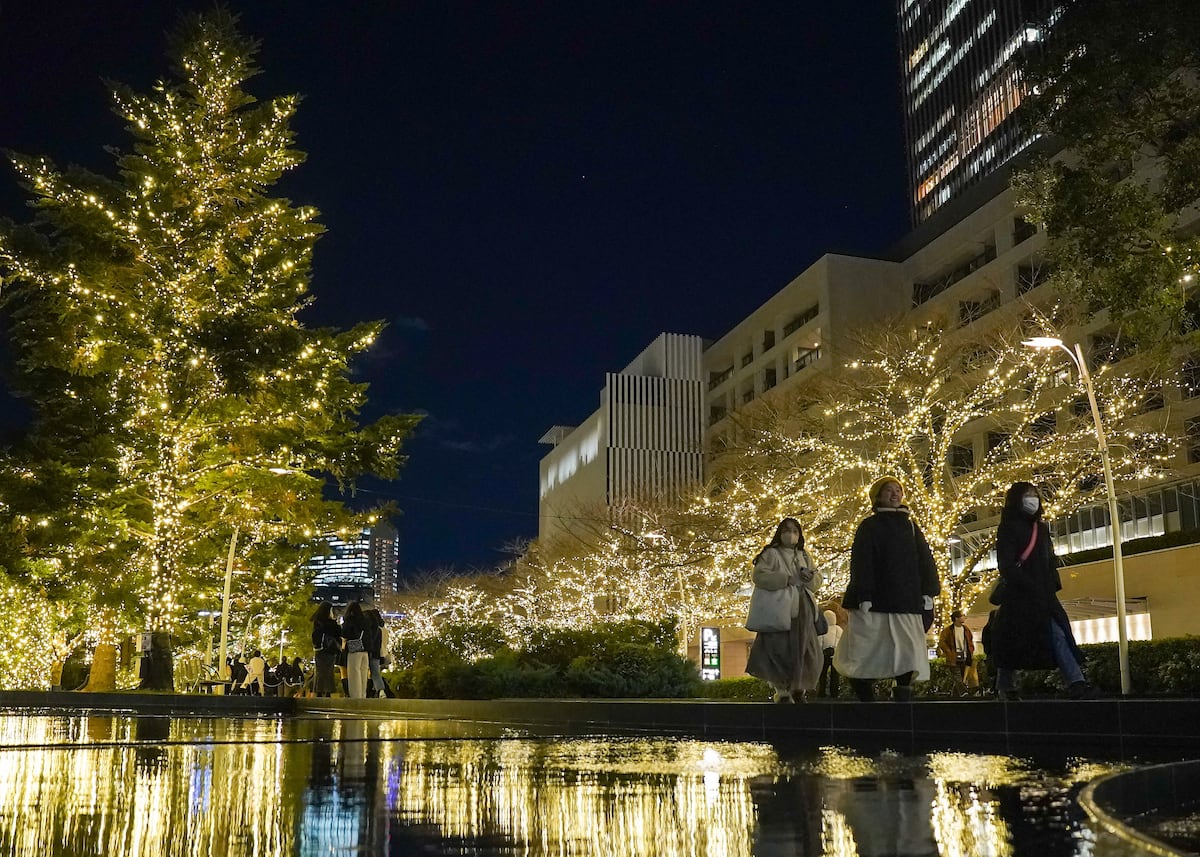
[[877, 486]]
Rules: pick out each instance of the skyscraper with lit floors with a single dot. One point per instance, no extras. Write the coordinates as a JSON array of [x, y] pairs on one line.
[[961, 88]]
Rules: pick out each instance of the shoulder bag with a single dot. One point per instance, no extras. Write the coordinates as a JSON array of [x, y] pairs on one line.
[[997, 596], [772, 609]]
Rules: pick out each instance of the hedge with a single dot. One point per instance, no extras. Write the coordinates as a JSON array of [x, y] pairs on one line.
[[610, 660]]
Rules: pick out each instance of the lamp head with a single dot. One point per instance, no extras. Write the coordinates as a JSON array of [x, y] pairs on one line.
[[1043, 342]]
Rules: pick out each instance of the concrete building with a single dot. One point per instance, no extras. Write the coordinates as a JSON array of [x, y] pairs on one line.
[[643, 442], [961, 87], [796, 332], [361, 567]]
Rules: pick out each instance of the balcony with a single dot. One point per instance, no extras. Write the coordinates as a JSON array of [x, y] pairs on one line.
[[715, 379], [923, 292], [801, 320], [806, 358]]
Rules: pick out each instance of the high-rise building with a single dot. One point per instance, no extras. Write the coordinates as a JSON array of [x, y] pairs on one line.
[[361, 567], [961, 86]]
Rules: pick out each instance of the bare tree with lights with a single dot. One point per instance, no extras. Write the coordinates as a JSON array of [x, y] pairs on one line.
[[177, 398]]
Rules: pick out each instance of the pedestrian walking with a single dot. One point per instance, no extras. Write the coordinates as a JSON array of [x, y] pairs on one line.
[[358, 662], [1030, 629], [327, 642], [956, 645], [829, 684], [786, 652], [893, 581]]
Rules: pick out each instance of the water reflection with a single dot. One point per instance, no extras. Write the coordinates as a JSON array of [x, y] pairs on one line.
[[161, 786]]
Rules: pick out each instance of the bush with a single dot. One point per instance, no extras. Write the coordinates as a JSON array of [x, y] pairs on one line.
[[744, 688], [610, 660]]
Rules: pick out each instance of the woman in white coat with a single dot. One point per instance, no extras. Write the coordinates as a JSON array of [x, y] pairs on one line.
[[789, 660]]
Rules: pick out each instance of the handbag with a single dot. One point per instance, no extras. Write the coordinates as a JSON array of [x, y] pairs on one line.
[[355, 645], [771, 609], [997, 596], [820, 622]]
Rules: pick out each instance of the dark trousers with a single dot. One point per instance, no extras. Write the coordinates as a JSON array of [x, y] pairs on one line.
[[830, 680]]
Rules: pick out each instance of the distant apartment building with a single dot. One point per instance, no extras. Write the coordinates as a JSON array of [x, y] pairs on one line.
[[360, 567], [961, 86], [643, 442]]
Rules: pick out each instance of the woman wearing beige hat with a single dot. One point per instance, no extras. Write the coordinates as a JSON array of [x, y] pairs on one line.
[[893, 580]]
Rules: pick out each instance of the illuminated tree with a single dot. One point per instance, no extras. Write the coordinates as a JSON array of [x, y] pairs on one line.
[[1121, 93], [958, 417], [154, 321]]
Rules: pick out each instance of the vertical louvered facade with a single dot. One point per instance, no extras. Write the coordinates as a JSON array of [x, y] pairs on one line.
[[643, 445]]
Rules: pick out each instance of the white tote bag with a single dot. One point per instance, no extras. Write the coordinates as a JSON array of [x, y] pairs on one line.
[[772, 609]]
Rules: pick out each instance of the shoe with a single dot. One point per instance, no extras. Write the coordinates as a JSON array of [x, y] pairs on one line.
[[1008, 696], [901, 694], [782, 697], [1081, 690]]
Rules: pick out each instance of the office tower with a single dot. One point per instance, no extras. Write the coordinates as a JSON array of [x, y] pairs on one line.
[[961, 86], [359, 567]]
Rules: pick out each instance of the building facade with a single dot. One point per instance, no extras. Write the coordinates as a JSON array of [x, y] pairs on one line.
[[960, 88], [644, 442], [364, 566]]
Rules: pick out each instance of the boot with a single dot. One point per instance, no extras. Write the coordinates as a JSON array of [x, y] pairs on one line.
[[902, 693], [864, 689]]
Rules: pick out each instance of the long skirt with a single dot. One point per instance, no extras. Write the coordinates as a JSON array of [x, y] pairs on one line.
[[323, 682], [790, 659], [882, 645]]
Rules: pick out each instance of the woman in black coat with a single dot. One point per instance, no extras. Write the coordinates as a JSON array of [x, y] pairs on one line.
[[1030, 629], [327, 641]]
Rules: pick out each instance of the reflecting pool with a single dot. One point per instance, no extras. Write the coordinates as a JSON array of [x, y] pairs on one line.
[[124, 785]]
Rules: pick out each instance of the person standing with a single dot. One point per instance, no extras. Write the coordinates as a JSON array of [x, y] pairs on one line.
[[789, 660], [830, 682], [893, 580], [376, 631], [956, 645], [327, 642], [355, 628], [1030, 629], [256, 673]]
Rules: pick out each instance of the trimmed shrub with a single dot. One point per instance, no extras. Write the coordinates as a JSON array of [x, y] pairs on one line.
[[611, 660]]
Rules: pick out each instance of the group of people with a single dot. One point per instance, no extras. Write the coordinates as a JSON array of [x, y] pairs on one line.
[[888, 607], [259, 677], [358, 646]]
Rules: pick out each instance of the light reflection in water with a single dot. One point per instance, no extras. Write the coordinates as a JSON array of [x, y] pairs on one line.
[[157, 786]]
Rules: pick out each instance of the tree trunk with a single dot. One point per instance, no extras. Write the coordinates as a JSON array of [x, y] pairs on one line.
[[103, 675], [158, 664]]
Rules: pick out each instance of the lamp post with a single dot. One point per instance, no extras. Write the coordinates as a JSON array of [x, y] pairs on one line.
[[223, 652], [1114, 518]]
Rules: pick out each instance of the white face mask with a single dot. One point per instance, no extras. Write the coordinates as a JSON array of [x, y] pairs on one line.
[[789, 538], [1030, 505]]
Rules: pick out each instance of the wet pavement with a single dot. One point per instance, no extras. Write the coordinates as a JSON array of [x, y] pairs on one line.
[[105, 784]]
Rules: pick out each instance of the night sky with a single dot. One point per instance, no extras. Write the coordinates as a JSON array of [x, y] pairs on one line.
[[528, 193]]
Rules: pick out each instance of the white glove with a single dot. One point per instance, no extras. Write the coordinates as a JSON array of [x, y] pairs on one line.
[[864, 606], [928, 605]]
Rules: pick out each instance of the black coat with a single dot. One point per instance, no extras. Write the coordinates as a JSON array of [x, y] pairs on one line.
[[328, 627], [1020, 630], [891, 565]]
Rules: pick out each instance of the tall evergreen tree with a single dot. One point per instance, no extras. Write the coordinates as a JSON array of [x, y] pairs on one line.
[[176, 394]]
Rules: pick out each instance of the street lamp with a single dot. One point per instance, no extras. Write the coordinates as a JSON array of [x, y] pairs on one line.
[[1077, 358]]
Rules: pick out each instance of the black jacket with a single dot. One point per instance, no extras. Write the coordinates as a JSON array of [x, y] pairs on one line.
[[326, 628], [354, 628], [1020, 636], [891, 565]]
